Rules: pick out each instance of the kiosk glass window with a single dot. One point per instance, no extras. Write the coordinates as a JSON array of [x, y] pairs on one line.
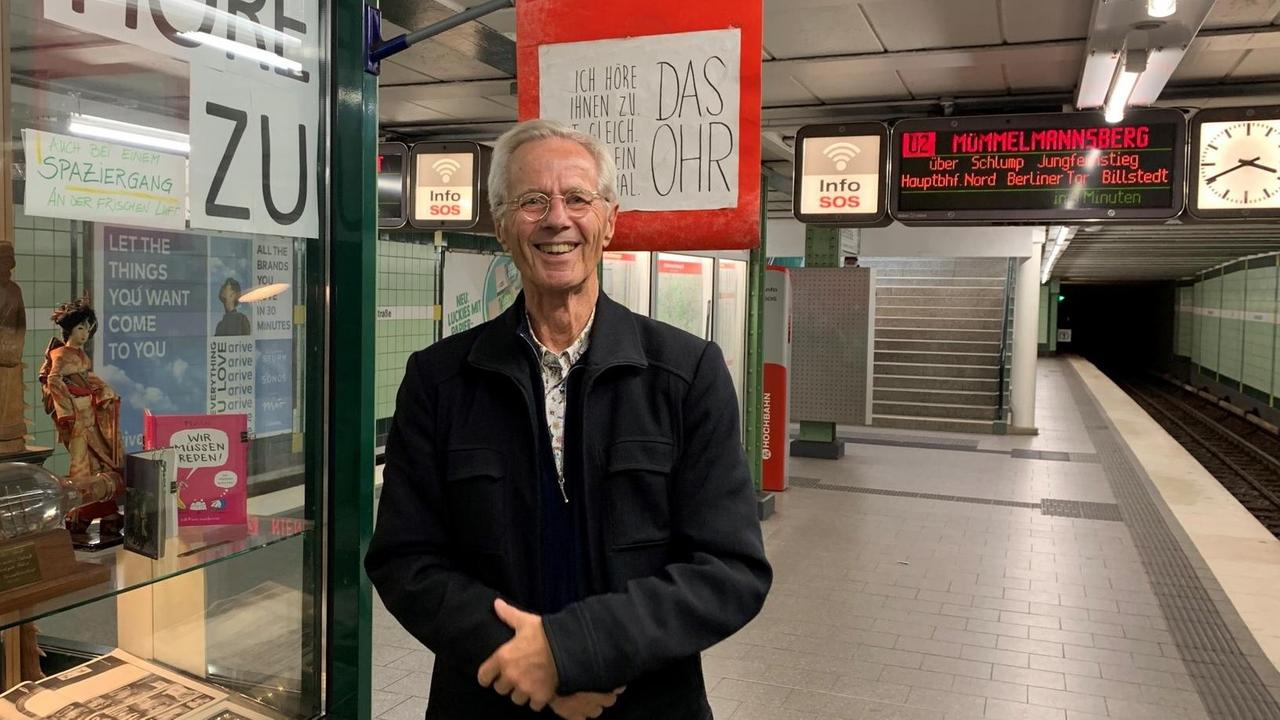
[[730, 328], [162, 243], [683, 294], [625, 278]]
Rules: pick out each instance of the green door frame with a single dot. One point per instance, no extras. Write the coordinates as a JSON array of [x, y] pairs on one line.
[[349, 414]]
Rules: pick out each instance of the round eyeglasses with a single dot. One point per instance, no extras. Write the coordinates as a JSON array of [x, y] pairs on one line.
[[534, 206]]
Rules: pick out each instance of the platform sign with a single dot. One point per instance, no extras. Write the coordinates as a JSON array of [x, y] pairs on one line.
[[1060, 167], [1235, 164], [674, 93], [446, 185], [393, 185], [840, 174]]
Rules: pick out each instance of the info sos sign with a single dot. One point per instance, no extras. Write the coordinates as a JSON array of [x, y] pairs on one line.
[[447, 180], [840, 174]]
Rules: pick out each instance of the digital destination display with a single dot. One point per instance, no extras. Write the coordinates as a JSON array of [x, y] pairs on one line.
[[1039, 168]]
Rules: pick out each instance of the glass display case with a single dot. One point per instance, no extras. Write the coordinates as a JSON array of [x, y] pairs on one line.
[[161, 264]]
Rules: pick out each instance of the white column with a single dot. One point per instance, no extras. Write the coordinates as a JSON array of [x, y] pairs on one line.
[[1026, 317]]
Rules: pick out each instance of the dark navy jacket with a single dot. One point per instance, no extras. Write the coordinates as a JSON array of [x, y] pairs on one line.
[[673, 555]]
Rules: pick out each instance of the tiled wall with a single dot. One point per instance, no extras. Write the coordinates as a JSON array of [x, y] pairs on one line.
[[1227, 326], [407, 276], [49, 275]]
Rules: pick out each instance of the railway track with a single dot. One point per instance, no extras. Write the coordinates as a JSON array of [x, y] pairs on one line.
[[1242, 456]]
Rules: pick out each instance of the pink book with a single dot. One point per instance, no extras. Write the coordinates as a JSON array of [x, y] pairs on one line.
[[212, 464]]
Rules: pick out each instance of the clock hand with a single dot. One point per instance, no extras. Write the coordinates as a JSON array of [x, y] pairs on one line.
[[1255, 164], [1224, 172]]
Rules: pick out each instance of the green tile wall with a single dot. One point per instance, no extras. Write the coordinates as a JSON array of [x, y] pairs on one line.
[[1186, 321], [1043, 332], [1259, 328], [1197, 325], [1231, 341], [49, 275], [1210, 301], [407, 278]]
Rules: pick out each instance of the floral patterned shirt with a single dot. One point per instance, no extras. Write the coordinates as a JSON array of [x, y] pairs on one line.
[[555, 368]]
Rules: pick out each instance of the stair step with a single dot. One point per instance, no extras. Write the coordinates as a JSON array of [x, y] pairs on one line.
[[931, 383], [901, 422], [937, 358], [936, 323], [940, 301], [949, 292], [978, 398], [977, 372], [936, 410], [920, 345], [945, 334], [904, 281], [994, 314]]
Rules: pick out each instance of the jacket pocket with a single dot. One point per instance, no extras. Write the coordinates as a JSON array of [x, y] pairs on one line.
[[475, 490], [639, 477]]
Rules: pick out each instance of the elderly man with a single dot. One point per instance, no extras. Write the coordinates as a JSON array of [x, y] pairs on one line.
[[567, 518]]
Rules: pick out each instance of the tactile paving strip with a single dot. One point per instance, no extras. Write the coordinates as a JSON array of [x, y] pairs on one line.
[[1046, 506], [1230, 672]]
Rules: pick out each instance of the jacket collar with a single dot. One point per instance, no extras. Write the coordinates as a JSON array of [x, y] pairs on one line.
[[615, 340]]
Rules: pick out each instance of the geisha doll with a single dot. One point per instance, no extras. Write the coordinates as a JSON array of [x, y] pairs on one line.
[[86, 412]]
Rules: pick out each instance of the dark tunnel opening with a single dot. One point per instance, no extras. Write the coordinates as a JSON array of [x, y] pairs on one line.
[[1125, 330]]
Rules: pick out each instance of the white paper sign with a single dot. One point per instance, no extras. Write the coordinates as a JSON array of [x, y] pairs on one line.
[[665, 105], [82, 179], [246, 171], [255, 84]]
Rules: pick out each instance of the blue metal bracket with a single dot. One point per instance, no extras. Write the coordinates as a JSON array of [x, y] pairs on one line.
[[376, 50]]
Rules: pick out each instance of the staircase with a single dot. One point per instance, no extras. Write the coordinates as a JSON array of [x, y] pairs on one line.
[[937, 353]]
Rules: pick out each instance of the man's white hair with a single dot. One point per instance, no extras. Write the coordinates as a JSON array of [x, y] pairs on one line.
[[540, 129]]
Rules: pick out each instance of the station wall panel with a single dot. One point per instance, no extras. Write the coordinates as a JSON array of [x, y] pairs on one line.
[[1231, 342], [1185, 319], [1259, 329], [1211, 306]]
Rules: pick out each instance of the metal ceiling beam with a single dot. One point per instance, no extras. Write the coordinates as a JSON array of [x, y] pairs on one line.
[[473, 40]]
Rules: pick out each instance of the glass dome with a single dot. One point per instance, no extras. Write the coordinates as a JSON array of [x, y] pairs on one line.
[[33, 499]]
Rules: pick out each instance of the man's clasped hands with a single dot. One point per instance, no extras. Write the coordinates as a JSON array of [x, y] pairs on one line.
[[524, 670]]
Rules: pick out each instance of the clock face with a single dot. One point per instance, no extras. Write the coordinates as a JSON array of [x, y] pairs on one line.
[[1239, 165]]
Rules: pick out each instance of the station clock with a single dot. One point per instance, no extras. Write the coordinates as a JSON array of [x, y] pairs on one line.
[[1236, 163]]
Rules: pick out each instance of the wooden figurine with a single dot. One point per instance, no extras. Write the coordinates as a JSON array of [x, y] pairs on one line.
[[13, 332]]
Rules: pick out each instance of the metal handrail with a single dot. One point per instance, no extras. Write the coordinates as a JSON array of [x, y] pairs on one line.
[[1009, 279]]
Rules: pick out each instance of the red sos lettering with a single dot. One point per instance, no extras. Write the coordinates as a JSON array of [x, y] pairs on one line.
[[446, 209], [846, 202], [919, 144]]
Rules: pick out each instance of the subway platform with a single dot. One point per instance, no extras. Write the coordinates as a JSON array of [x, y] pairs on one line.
[[1091, 571]]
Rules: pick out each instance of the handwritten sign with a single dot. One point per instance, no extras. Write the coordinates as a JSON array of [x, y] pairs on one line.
[[665, 105], [80, 179]]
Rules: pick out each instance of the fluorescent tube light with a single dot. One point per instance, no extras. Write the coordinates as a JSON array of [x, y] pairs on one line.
[[1129, 67], [1162, 8], [244, 50], [107, 129]]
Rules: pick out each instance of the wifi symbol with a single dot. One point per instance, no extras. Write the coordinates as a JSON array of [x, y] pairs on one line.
[[446, 167], [842, 153]]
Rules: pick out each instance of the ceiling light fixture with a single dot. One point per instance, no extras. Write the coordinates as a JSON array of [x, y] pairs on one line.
[[1161, 8], [1060, 242], [102, 128], [1129, 68]]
